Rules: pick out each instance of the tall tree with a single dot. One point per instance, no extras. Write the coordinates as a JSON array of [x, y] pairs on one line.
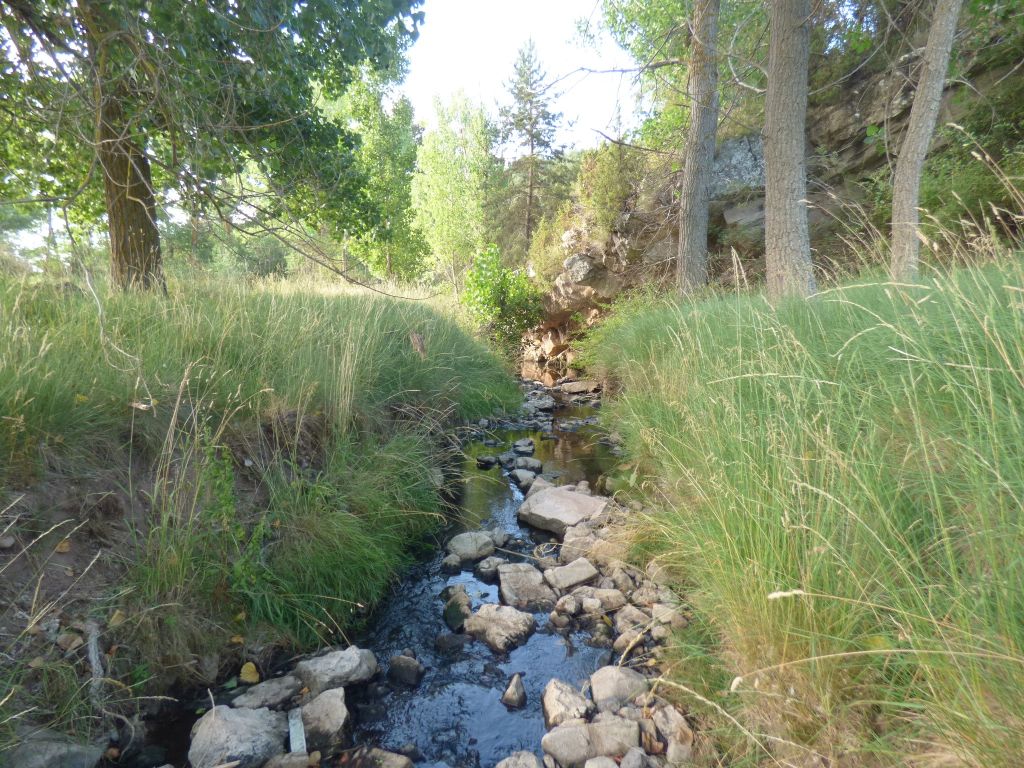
[[449, 186], [388, 141], [119, 91], [530, 125], [692, 261], [787, 240], [910, 162]]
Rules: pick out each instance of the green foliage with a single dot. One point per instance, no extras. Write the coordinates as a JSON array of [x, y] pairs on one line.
[[198, 112], [392, 247], [449, 186], [502, 300], [546, 252], [608, 179], [844, 478]]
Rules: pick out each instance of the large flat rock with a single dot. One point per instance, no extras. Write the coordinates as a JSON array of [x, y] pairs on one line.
[[575, 574], [337, 669], [225, 735], [555, 509], [523, 587], [502, 627]]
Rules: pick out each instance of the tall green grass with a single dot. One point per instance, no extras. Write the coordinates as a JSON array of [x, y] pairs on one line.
[[841, 486], [286, 440]]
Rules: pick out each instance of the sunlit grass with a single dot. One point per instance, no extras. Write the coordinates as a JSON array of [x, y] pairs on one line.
[[841, 484]]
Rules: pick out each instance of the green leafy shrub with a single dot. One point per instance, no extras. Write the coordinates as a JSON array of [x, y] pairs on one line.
[[500, 299]]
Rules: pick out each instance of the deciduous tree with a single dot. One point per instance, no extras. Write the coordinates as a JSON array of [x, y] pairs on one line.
[[449, 185], [699, 154], [787, 240], [120, 91], [910, 162]]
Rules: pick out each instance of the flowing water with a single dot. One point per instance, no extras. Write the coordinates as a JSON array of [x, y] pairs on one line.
[[455, 715]]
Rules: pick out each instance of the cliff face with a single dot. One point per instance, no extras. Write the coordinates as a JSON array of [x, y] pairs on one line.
[[849, 139]]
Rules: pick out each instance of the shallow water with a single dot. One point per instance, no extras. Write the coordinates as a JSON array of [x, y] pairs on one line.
[[455, 715]]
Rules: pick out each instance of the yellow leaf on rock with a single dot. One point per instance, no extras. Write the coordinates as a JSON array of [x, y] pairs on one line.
[[117, 618], [237, 640], [249, 674], [240, 616], [64, 547]]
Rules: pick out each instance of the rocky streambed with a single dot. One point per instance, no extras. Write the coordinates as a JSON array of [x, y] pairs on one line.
[[527, 641]]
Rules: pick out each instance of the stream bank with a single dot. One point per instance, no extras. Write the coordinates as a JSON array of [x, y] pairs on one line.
[[527, 638]]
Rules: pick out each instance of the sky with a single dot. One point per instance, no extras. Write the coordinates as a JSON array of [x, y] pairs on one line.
[[472, 45]]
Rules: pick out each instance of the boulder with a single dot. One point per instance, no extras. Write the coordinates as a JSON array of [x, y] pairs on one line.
[[47, 749], [337, 669], [514, 696], [501, 627], [523, 478], [471, 545], [575, 574], [457, 609], [631, 617], [451, 564], [539, 484], [635, 758], [555, 509], [523, 587], [225, 735], [507, 459], [673, 728], [524, 447], [486, 462], [613, 687], [379, 758], [573, 743], [601, 762], [405, 670], [487, 569], [271, 693], [609, 599], [561, 702], [324, 719], [530, 464], [582, 387], [575, 547], [520, 760], [291, 760]]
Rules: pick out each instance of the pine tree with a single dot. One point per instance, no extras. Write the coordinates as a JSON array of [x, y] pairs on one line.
[[529, 124]]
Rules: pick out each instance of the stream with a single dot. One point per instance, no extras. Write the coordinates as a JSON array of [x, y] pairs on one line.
[[455, 716]]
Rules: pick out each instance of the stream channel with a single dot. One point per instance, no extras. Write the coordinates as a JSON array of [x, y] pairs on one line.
[[455, 716]]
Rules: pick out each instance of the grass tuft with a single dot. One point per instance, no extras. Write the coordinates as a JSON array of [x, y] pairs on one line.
[[841, 484]]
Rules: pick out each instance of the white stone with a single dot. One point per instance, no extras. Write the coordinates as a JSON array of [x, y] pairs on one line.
[[520, 760], [224, 735], [555, 509], [471, 545], [575, 574], [502, 627], [324, 719], [523, 587], [561, 702], [613, 687], [270, 693], [336, 669]]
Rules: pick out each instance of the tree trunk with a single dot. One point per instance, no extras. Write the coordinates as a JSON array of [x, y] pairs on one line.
[[135, 260], [529, 198], [692, 261], [787, 241], [907, 183]]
